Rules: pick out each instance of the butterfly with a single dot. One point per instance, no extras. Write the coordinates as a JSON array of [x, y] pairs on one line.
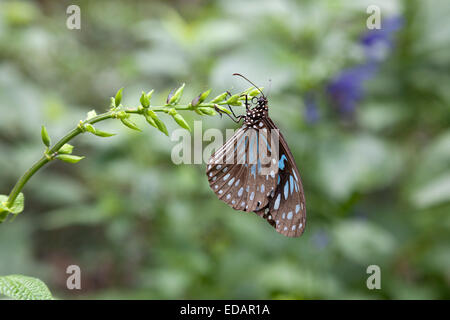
[[254, 171]]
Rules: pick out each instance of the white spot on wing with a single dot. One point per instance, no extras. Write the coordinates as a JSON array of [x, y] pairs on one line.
[[286, 190], [277, 202]]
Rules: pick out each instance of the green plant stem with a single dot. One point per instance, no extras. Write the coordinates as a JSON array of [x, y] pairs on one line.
[[49, 156]]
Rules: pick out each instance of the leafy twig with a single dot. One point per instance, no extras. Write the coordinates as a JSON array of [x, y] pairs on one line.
[[61, 150]]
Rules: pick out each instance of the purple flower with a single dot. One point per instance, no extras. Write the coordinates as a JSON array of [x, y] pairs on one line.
[[346, 89], [378, 42], [311, 112]]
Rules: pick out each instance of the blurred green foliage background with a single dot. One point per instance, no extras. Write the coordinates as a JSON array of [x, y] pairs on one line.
[[366, 114]]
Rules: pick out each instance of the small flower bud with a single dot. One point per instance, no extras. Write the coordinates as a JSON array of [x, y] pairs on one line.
[[118, 98], [145, 101], [45, 137], [173, 98]]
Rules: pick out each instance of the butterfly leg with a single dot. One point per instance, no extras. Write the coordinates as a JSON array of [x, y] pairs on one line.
[[236, 118]]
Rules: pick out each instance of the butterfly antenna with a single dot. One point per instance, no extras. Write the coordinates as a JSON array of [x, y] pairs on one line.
[[240, 75]]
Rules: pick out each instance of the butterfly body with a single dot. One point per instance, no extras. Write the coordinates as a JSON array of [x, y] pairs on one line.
[[256, 114], [254, 171]]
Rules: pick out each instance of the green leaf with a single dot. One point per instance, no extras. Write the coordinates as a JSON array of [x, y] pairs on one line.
[[69, 158], [150, 120], [130, 124], [45, 136], [255, 92], [103, 134], [4, 210], [91, 114], [219, 98], [208, 111], [159, 124], [173, 99], [118, 98], [145, 101], [66, 149], [196, 110], [24, 288], [89, 127], [15, 209], [179, 119], [250, 93], [234, 100], [17, 206]]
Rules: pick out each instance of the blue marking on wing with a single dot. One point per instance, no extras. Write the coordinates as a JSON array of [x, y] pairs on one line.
[[253, 170], [286, 190], [267, 142], [243, 155], [281, 162], [240, 142], [250, 149]]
